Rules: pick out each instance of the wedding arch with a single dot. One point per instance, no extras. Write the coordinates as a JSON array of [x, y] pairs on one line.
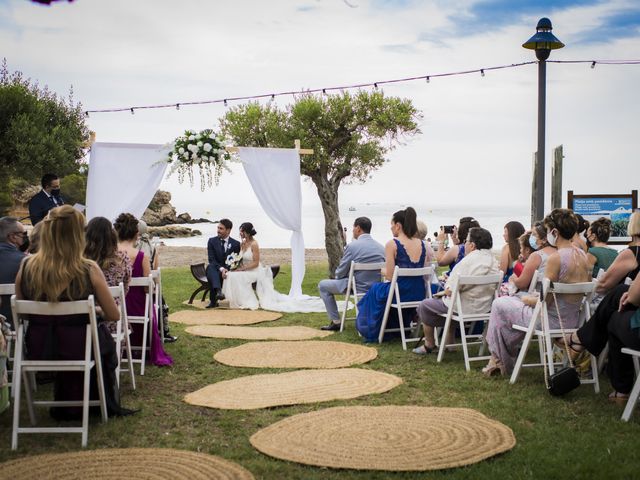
[[135, 169]]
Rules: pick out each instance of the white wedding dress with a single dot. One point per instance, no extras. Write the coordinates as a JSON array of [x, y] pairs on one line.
[[238, 290]]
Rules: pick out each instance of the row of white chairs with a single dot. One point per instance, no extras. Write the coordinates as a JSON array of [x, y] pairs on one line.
[[538, 326], [22, 370]]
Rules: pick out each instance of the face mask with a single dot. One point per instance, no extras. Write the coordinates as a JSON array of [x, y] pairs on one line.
[[551, 238], [25, 245], [55, 192], [533, 243]]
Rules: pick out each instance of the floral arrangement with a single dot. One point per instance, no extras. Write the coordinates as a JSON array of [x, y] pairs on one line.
[[234, 260], [204, 150]]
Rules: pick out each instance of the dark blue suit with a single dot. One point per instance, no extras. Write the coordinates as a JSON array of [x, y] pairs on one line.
[[40, 204], [10, 258], [218, 259]]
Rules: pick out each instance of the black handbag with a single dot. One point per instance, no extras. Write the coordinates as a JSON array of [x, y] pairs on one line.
[[566, 379]]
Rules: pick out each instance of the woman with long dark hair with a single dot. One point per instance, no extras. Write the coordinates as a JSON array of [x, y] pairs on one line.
[[511, 250], [406, 250]]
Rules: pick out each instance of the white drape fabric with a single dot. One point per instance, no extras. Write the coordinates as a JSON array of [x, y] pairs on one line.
[[274, 174], [123, 177]]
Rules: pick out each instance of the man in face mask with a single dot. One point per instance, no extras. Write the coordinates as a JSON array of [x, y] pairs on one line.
[[48, 198], [12, 236]]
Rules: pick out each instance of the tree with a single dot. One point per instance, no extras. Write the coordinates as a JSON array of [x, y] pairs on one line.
[[39, 132], [350, 136]]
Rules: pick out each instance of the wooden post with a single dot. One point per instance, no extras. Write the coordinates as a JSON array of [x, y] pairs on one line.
[[556, 178], [535, 215]]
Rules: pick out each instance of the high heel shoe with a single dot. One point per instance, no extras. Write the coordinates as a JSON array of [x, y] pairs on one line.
[[492, 368], [574, 352]]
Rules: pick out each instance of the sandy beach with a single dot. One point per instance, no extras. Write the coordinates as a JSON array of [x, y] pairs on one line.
[[185, 256]]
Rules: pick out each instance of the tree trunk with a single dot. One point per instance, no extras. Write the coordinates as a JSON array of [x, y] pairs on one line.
[[333, 240]]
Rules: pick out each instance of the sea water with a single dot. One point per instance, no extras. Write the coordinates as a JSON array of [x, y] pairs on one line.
[[269, 235]]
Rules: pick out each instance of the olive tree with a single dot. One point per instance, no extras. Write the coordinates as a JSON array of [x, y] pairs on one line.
[[350, 134]]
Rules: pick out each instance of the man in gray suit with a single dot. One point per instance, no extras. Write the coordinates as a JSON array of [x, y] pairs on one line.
[[364, 249]]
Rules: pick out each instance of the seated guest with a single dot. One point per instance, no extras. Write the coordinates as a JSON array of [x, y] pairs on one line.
[[537, 261], [126, 226], [600, 255], [422, 235], [525, 252], [48, 198], [580, 239], [478, 260], [102, 247], [511, 250], [627, 263], [456, 252], [405, 251], [60, 273], [363, 249], [12, 236], [616, 322], [34, 239], [568, 264]]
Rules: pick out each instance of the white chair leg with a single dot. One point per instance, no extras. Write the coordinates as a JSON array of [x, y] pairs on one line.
[[443, 340], [85, 404], [143, 352], [28, 398], [631, 403], [17, 383], [521, 356], [127, 341], [465, 347], [595, 374]]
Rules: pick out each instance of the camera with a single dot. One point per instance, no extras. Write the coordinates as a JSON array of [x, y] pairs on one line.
[[447, 228]]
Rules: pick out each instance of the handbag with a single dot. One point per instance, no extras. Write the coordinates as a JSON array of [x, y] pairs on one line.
[[566, 379]]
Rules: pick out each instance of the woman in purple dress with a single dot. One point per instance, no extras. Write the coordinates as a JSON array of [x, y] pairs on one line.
[[126, 226]]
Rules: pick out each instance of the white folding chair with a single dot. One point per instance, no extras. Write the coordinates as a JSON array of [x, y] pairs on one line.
[[22, 366], [157, 300], [491, 283], [635, 391], [394, 293], [351, 286], [122, 333], [144, 319], [546, 334], [9, 289]]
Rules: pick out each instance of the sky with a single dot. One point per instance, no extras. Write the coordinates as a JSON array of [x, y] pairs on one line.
[[478, 133]]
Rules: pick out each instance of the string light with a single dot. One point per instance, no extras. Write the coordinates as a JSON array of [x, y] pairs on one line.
[[86, 114], [343, 88]]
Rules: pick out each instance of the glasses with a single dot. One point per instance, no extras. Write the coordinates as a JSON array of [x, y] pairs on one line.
[[22, 234]]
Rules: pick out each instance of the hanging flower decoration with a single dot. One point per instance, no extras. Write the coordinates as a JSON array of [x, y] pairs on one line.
[[204, 150]]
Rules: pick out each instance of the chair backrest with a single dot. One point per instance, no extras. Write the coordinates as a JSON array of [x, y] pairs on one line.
[[118, 294], [367, 266], [586, 289], [534, 282], [492, 279], [199, 273], [7, 288], [148, 283], [411, 272], [480, 279], [30, 307]]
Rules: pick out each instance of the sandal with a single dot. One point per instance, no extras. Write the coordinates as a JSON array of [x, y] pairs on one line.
[[575, 347], [616, 396], [492, 368], [423, 350]]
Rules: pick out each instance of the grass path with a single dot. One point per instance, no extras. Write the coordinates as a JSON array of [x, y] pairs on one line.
[[579, 436]]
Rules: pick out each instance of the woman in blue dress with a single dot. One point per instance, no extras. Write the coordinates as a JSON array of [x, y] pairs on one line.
[[405, 250]]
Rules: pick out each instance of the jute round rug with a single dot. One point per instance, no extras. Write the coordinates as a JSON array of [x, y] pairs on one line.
[[306, 354], [290, 388], [386, 438], [257, 333], [223, 317], [222, 304], [147, 463]]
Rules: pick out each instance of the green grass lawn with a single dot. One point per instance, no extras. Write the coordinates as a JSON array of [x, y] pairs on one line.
[[579, 436]]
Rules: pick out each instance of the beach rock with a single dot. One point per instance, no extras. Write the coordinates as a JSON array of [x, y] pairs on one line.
[[160, 211], [186, 218], [173, 231]]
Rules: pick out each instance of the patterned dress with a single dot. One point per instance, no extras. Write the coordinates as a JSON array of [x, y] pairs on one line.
[[504, 342]]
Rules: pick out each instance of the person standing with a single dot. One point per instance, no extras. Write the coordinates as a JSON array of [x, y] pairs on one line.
[[46, 199], [364, 249], [13, 236], [218, 249]]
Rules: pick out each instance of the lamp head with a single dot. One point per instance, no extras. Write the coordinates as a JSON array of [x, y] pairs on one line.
[[543, 41]]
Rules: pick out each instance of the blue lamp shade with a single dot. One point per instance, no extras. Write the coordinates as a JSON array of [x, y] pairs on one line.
[[543, 39]]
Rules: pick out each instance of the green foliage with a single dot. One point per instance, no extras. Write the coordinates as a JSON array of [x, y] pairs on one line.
[[619, 228], [39, 132], [350, 134], [74, 188]]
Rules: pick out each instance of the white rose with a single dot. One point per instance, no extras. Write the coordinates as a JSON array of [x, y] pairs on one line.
[[213, 135], [207, 147], [192, 148], [199, 144], [205, 158], [197, 160], [185, 154], [192, 137], [181, 150]]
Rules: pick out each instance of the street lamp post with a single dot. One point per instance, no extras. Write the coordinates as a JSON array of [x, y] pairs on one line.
[[542, 42]]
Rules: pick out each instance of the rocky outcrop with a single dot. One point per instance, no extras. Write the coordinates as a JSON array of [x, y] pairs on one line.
[[172, 231], [160, 212]]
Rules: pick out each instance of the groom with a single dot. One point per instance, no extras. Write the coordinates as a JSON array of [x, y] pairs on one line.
[[218, 249]]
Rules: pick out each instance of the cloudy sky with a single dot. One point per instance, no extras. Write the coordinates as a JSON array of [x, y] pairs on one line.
[[478, 133]]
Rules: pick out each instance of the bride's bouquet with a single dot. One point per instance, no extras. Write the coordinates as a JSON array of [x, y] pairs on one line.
[[204, 150], [234, 260]]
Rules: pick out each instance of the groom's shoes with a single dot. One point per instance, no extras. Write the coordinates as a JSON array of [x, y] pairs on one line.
[[333, 327], [213, 303]]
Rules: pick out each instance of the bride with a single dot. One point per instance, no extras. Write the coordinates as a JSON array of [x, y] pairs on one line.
[[238, 289]]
